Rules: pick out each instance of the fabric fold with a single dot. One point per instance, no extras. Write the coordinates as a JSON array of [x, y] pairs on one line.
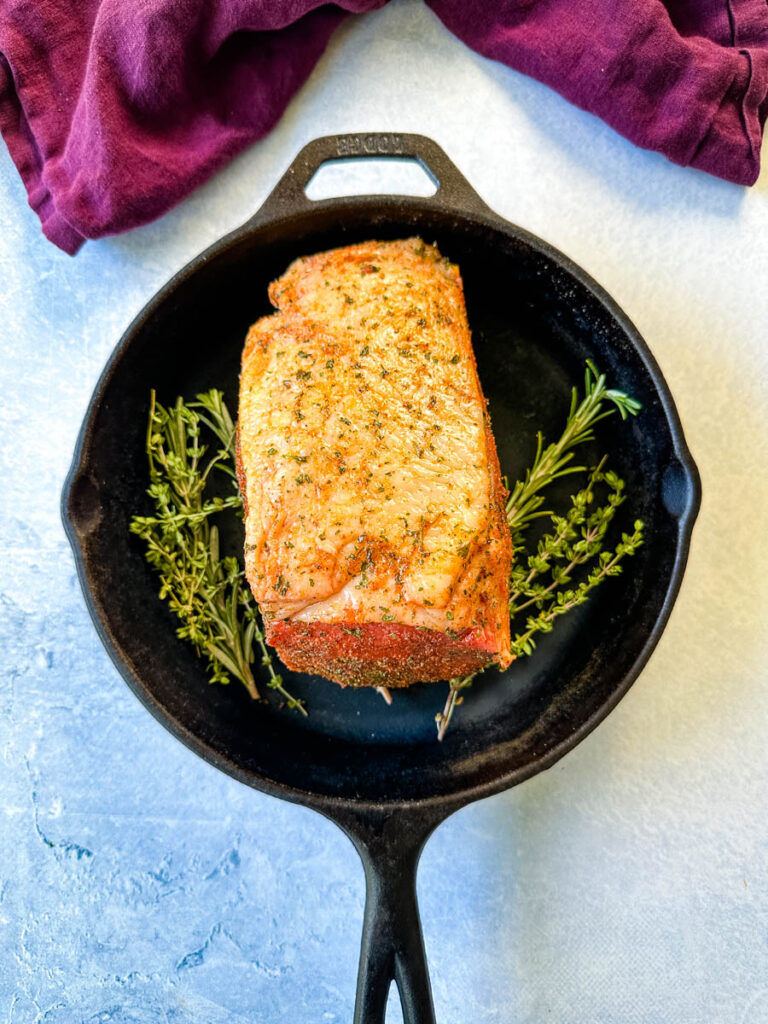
[[699, 102], [114, 110]]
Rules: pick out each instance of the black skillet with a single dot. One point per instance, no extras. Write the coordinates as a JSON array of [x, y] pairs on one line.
[[376, 770]]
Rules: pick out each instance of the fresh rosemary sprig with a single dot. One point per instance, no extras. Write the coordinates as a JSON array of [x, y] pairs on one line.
[[554, 461], [539, 580], [205, 591]]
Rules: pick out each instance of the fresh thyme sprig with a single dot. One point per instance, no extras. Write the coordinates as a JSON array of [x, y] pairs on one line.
[[565, 544], [205, 591], [576, 539], [608, 564], [455, 686]]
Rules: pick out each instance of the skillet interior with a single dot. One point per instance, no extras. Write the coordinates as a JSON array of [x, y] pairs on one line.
[[534, 322]]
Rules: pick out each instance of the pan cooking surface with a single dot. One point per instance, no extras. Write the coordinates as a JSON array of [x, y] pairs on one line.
[[533, 323]]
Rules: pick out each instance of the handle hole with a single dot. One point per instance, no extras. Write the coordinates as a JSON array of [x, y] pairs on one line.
[[371, 176], [394, 1010]]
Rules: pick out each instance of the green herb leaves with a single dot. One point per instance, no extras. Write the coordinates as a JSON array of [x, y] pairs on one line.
[[576, 541], [569, 560], [554, 461], [205, 591], [189, 445]]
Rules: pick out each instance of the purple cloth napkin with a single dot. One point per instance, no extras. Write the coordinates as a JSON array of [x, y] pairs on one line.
[[114, 110]]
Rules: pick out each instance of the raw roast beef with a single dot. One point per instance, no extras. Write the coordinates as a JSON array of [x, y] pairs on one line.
[[376, 543]]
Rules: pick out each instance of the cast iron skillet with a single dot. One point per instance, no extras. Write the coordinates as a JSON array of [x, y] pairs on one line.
[[376, 770]]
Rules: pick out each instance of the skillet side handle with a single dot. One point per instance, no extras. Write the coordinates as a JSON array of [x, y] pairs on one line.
[[392, 948], [289, 197]]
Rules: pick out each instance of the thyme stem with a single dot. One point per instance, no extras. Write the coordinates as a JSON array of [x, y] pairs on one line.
[[206, 592], [577, 538], [554, 461], [454, 698]]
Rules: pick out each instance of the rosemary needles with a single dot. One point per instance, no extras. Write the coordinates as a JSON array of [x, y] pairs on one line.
[[571, 559], [554, 461]]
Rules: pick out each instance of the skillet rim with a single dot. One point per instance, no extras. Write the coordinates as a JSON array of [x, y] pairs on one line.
[[473, 210]]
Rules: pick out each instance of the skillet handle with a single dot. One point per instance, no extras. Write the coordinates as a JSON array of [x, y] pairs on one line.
[[289, 196], [392, 947]]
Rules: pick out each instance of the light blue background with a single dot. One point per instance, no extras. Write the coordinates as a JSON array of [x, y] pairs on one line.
[[629, 883]]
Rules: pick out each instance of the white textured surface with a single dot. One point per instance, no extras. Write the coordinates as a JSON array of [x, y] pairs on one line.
[[630, 882]]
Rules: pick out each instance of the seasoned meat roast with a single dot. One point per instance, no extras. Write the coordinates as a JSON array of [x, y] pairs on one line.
[[375, 538]]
